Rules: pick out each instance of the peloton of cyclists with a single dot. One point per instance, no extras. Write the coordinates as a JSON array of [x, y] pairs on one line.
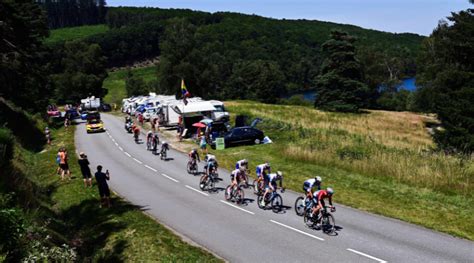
[[270, 184]]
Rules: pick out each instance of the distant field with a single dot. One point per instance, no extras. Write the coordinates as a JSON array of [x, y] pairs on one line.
[[72, 33], [115, 82], [378, 161]]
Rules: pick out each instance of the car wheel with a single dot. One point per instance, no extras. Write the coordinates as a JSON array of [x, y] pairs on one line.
[[257, 141]]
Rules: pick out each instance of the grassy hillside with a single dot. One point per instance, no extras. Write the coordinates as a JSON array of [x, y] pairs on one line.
[[115, 82], [74, 33], [378, 161]]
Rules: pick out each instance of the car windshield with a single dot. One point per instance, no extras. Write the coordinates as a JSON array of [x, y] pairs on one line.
[[94, 121], [219, 108]]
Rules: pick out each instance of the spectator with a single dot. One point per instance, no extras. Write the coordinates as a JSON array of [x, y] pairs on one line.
[[85, 170], [203, 144], [58, 161], [47, 133], [63, 163], [104, 192]]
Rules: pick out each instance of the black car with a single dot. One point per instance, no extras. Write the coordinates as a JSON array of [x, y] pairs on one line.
[[243, 135]]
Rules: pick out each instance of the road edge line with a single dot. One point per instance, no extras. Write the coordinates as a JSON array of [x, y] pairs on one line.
[[171, 178]]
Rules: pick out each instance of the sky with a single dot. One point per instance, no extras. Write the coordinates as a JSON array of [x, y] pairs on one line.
[[414, 16]]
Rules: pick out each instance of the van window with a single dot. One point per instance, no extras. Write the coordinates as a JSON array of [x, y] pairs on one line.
[[219, 108]]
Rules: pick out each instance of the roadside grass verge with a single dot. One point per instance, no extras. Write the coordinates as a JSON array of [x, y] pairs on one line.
[[115, 82], [73, 33], [379, 161], [72, 215]]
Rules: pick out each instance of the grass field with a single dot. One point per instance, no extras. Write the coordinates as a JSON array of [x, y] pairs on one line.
[[378, 161], [72, 33], [71, 215], [115, 82]]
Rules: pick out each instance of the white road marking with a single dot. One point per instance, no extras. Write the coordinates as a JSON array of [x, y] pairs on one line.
[[120, 148], [365, 255], [138, 161], [297, 230], [227, 203], [196, 190], [127, 154], [171, 178], [113, 139], [151, 168], [116, 144]]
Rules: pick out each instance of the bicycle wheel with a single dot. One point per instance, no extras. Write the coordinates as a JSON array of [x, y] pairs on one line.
[[211, 185], [203, 182], [194, 168], [228, 193], [328, 224], [259, 202], [277, 203], [188, 167], [239, 196], [299, 206], [307, 219]]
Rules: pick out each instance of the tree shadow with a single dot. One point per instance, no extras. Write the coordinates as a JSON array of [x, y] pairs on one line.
[[89, 227]]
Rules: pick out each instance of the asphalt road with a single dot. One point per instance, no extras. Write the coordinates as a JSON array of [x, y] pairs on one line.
[[246, 233]]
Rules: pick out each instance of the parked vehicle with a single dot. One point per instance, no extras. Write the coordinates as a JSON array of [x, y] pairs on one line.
[[90, 103]]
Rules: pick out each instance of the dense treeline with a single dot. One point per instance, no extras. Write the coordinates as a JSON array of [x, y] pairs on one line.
[[68, 13]]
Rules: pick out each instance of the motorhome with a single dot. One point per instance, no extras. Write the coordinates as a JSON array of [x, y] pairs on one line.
[[220, 114], [90, 103]]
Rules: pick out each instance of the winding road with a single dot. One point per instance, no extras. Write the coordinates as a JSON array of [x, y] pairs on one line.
[[246, 233]]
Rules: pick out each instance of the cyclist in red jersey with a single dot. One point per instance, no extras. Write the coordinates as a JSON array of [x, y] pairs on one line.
[[318, 199]]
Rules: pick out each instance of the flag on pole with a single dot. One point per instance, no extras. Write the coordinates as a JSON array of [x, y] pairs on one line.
[[184, 92]]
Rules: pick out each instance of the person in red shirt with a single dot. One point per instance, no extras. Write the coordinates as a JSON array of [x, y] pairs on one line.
[[318, 199]]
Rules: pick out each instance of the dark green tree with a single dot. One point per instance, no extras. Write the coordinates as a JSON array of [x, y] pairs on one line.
[[134, 85], [23, 26], [83, 72], [339, 86], [258, 80], [446, 70]]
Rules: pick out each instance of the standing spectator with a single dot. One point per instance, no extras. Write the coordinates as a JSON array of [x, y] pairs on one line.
[[203, 144], [63, 163], [47, 133], [85, 170], [104, 192], [58, 161]]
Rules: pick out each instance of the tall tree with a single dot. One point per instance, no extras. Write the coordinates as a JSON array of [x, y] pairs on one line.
[[447, 73], [339, 86], [134, 84], [22, 75], [84, 72]]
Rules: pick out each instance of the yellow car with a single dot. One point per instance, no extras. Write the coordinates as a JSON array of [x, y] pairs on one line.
[[94, 125]]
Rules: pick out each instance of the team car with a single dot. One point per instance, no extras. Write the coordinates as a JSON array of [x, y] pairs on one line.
[[95, 125]]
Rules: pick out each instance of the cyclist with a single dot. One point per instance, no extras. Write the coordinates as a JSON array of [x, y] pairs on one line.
[[261, 171], [211, 165], [318, 198], [155, 142], [149, 139], [236, 176], [164, 147], [136, 132], [242, 163], [193, 156], [309, 184], [270, 183]]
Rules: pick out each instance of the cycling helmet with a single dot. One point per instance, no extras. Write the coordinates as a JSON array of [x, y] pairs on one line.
[[163, 142], [318, 179], [245, 161], [280, 174], [195, 150], [330, 191]]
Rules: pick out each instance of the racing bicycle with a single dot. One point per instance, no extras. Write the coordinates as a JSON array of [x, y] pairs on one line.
[[192, 167], [208, 182], [273, 199], [328, 223], [235, 193]]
